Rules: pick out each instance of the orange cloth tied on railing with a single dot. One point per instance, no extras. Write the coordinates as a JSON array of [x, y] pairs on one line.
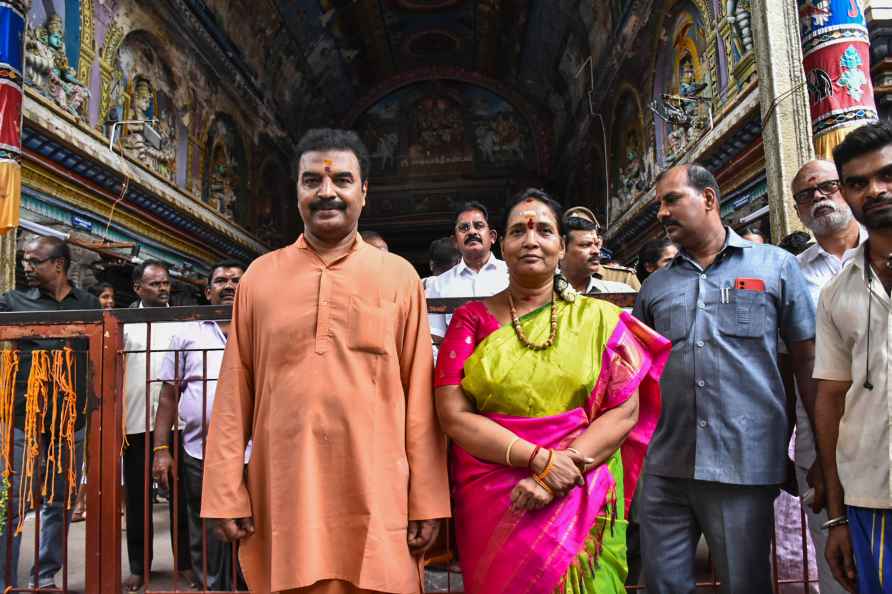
[[50, 392]]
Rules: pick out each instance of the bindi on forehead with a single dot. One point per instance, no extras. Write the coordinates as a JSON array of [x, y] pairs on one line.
[[327, 163]]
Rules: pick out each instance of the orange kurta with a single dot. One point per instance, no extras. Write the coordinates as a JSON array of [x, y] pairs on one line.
[[329, 369]]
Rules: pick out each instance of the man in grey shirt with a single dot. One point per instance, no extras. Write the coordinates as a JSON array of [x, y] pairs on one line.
[[720, 449]]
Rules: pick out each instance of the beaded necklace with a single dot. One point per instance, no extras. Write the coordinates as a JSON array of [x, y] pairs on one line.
[[518, 330]]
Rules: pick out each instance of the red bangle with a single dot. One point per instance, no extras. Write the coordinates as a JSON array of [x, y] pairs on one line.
[[533, 457]]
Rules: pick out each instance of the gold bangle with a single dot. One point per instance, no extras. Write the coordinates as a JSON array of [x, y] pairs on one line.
[[548, 466], [544, 485], [160, 447], [508, 451]]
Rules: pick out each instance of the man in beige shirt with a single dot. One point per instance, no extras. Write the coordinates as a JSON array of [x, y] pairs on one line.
[[853, 409], [328, 367]]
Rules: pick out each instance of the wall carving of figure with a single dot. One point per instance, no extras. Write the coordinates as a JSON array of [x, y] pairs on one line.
[[225, 168], [135, 138], [632, 168], [681, 104], [47, 68]]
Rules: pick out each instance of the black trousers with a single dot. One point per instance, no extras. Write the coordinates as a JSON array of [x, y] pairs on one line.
[[135, 472], [221, 559]]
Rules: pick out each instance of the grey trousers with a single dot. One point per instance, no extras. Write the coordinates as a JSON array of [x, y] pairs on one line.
[[737, 522]]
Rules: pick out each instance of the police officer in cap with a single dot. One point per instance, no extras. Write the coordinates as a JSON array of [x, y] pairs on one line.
[[609, 272]]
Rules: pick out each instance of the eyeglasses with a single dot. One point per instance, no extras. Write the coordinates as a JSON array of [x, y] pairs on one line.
[[465, 227], [807, 196], [35, 262]]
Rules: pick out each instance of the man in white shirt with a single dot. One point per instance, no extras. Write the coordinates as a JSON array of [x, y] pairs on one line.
[[824, 211], [151, 283], [478, 274], [853, 410], [190, 370]]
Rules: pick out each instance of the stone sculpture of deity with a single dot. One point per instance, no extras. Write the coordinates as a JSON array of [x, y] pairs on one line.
[[47, 68], [221, 187], [159, 159]]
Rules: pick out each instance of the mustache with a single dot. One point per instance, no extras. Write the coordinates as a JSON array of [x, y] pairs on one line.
[[879, 200], [824, 204], [669, 221], [473, 237], [334, 204]]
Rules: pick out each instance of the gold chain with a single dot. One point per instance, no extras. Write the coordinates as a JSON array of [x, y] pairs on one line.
[[518, 330]]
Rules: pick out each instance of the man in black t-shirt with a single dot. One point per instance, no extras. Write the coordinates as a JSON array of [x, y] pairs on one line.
[[45, 261]]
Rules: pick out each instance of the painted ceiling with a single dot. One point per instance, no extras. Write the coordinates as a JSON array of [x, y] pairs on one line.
[[315, 59]]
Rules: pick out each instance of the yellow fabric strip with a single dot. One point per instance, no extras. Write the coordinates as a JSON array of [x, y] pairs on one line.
[[10, 196], [825, 143]]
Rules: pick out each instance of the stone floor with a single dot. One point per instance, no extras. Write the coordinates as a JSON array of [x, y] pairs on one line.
[[162, 574], [161, 579]]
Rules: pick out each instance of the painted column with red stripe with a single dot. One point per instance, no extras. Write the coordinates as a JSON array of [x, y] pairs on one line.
[[12, 39], [836, 58]]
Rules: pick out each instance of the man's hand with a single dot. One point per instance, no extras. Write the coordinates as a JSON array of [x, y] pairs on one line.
[[421, 535], [815, 480], [161, 468], [231, 530], [839, 557]]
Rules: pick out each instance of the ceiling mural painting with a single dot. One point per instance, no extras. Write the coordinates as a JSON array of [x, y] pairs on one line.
[[439, 127], [455, 98]]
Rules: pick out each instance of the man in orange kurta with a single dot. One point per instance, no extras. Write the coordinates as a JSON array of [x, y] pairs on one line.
[[328, 368]]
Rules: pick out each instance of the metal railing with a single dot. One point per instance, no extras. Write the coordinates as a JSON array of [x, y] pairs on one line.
[[102, 535]]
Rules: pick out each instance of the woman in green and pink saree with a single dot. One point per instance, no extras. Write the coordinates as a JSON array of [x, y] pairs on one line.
[[550, 401]]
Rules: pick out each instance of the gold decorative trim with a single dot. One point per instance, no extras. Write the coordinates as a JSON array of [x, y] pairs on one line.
[[88, 43], [35, 176]]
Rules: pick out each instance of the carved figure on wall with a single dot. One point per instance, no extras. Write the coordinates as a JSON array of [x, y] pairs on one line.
[[161, 159], [47, 68], [221, 193], [224, 175], [685, 112], [632, 175], [738, 12]]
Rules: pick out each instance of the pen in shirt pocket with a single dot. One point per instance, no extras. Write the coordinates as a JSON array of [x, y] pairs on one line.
[[726, 293]]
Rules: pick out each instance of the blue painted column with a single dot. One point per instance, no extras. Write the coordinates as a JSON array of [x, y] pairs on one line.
[[12, 49]]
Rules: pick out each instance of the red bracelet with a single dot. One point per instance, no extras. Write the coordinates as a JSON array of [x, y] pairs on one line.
[[533, 457]]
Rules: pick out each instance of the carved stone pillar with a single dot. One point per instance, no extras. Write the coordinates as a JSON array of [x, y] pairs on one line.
[[785, 110], [12, 48]]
